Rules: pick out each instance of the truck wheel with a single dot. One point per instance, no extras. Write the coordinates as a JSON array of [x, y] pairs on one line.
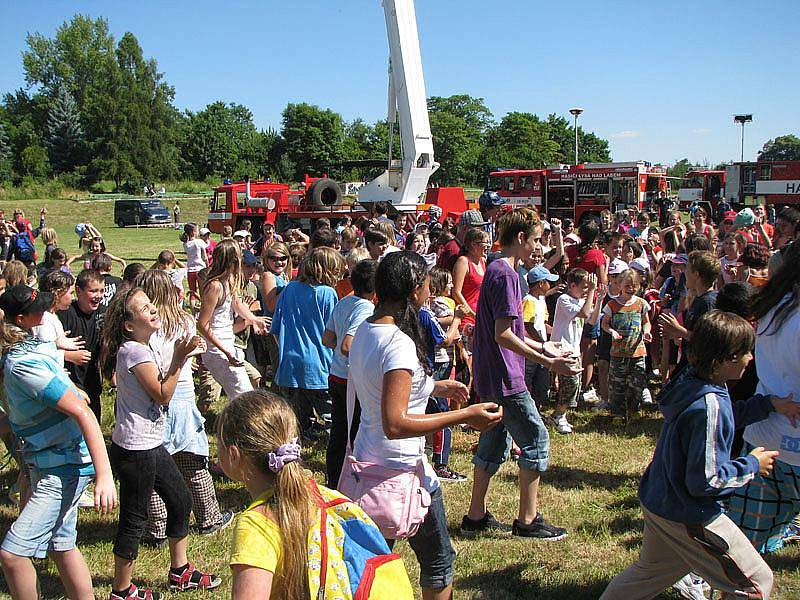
[[323, 192], [121, 222]]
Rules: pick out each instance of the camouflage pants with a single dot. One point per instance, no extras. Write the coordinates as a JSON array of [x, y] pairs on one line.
[[627, 379]]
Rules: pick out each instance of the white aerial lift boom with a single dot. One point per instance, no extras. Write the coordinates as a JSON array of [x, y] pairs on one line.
[[405, 180]]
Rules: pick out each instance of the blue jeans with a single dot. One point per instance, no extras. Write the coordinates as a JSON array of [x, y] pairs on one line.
[[49, 520], [521, 420], [432, 547]]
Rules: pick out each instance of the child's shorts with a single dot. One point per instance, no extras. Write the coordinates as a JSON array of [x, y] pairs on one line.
[[50, 518], [592, 332], [604, 347]]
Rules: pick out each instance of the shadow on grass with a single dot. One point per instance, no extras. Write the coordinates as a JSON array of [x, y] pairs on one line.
[[511, 582], [50, 585], [648, 425], [567, 478]]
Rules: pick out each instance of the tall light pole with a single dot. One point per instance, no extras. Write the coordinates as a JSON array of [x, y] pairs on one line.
[[742, 119], [575, 112]]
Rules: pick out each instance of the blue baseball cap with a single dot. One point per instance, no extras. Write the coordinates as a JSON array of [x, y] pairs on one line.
[[537, 274], [248, 258]]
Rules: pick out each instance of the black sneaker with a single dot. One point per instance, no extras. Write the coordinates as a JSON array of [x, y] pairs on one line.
[[539, 529], [446, 474], [227, 519], [488, 524]]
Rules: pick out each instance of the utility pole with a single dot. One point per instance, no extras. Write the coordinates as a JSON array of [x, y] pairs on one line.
[[575, 112], [742, 119]]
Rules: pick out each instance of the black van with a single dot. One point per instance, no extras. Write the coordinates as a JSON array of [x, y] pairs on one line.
[[140, 212]]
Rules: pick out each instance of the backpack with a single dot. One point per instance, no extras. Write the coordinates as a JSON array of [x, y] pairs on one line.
[[348, 558], [24, 249]]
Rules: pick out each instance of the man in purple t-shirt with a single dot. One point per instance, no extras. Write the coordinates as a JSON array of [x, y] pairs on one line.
[[500, 349]]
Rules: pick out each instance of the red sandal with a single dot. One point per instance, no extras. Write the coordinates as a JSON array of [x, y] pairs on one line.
[[192, 579]]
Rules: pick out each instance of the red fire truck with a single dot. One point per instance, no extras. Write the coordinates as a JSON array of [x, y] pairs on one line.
[[763, 182], [701, 186], [583, 191], [278, 203], [519, 186]]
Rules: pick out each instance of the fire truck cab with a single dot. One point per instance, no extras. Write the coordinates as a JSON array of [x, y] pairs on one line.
[[583, 191], [519, 186], [701, 186]]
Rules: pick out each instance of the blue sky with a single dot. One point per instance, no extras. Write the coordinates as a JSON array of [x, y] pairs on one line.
[[659, 80]]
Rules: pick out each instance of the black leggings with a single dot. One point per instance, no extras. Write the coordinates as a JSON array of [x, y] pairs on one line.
[[139, 473]]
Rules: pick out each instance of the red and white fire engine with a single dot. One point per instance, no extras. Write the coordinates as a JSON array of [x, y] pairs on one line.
[[702, 186], [402, 184], [583, 191], [763, 182]]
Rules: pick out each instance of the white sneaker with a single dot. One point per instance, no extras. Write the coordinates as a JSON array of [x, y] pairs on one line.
[[656, 372], [690, 587], [590, 395], [562, 425], [647, 397]]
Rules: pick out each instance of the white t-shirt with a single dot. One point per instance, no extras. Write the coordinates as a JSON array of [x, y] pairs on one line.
[[49, 331], [376, 350], [777, 359], [139, 421], [349, 313], [566, 327], [195, 255]]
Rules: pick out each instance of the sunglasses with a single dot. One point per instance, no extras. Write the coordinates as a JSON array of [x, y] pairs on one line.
[[278, 258]]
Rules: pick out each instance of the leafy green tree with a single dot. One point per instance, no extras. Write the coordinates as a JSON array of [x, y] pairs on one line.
[[34, 163], [125, 104], [75, 58], [222, 141], [5, 155], [784, 147], [459, 125], [520, 140], [678, 170], [313, 137], [64, 135], [591, 148]]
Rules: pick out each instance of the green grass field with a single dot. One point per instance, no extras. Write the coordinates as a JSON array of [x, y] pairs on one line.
[[590, 487]]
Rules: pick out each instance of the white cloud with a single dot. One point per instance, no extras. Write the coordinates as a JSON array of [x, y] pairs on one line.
[[627, 134], [701, 130]]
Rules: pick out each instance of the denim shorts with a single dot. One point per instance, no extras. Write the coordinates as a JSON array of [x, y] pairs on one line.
[[522, 422], [50, 518], [432, 547]]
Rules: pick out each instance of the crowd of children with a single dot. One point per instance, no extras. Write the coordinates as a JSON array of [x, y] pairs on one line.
[[375, 337]]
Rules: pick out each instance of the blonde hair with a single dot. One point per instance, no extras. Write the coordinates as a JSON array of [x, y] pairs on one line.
[[355, 256], [283, 247], [257, 423], [162, 292], [227, 266], [349, 234], [632, 276], [387, 229], [322, 266], [16, 273], [49, 236]]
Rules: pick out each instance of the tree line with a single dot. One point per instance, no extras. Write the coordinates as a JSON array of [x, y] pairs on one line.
[[94, 108]]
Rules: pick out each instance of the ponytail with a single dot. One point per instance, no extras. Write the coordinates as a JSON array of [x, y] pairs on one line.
[[259, 423]]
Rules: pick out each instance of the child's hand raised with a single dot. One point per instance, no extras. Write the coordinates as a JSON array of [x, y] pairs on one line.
[[787, 407], [766, 458], [592, 281]]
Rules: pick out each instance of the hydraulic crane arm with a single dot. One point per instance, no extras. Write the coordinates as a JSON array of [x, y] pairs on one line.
[[405, 180]]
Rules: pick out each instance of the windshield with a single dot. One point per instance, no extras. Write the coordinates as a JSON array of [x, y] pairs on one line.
[[692, 182], [153, 206], [495, 183]]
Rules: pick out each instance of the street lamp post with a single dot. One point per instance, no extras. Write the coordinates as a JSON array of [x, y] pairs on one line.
[[575, 112], [742, 119]]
